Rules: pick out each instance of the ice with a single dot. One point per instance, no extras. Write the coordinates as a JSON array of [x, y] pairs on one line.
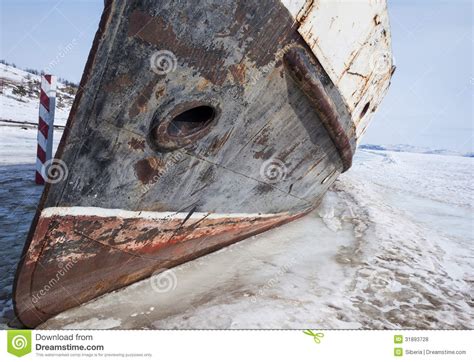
[[18, 145], [391, 246], [95, 323]]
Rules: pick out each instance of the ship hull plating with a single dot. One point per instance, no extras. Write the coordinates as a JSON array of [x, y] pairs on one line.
[[196, 125]]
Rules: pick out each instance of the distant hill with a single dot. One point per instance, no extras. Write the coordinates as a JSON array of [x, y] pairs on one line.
[[413, 149], [19, 95]]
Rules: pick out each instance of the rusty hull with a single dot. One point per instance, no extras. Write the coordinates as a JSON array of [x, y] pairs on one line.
[[229, 54], [74, 259]]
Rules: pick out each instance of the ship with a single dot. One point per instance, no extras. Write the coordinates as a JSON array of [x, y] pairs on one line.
[[198, 124]]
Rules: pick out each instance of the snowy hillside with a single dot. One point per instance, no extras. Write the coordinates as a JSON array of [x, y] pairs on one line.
[[413, 149], [19, 96]]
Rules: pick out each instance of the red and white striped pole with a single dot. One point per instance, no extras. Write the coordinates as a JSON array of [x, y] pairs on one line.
[[45, 126]]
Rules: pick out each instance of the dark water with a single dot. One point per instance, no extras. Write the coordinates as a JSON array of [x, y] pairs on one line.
[[19, 197]]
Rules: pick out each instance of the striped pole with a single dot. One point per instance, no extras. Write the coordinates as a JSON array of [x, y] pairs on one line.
[[47, 105]]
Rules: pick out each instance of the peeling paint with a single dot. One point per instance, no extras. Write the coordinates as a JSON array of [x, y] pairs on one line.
[[239, 58]]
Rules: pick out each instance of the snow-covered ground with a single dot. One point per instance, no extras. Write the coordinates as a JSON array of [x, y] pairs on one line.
[[25, 108], [391, 246]]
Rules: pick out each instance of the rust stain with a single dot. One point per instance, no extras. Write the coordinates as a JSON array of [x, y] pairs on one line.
[[218, 142], [140, 104], [120, 82], [238, 72], [160, 92], [308, 7], [148, 170], [158, 32], [311, 168], [265, 154], [262, 138], [210, 62], [137, 144], [141, 236], [377, 20], [305, 159], [285, 153], [202, 84], [139, 248], [357, 74]]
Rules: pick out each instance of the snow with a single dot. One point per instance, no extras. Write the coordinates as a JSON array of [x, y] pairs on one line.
[[95, 323], [15, 74], [26, 108]]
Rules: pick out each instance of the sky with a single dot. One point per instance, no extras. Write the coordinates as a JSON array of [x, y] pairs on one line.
[[429, 104]]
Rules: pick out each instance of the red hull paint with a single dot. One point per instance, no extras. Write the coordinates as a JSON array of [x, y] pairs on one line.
[[73, 259]]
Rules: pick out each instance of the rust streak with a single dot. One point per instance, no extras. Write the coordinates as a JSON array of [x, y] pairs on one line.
[[148, 170], [308, 7], [137, 144], [140, 104], [300, 68]]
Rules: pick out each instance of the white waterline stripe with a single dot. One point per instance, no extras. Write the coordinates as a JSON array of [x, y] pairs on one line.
[[151, 215]]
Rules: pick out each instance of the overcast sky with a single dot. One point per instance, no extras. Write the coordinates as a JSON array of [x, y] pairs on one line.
[[429, 103]]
